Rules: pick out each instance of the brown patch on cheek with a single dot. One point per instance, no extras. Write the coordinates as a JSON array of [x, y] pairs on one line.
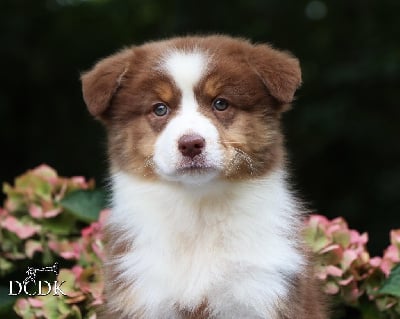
[[131, 147], [226, 117], [157, 123], [253, 146]]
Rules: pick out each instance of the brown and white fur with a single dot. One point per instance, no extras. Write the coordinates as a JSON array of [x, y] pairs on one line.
[[203, 224]]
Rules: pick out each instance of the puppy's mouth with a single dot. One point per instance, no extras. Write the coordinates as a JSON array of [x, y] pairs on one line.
[[195, 166], [194, 170]]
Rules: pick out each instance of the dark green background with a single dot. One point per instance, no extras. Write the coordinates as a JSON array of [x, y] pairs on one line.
[[342, 133]]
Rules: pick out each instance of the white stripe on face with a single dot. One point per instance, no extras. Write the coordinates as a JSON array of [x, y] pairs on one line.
[[186, 70]]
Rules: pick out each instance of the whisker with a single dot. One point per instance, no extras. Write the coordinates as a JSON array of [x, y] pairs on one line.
[[240, 143], [147, 163], [225, 142], [241, 156]]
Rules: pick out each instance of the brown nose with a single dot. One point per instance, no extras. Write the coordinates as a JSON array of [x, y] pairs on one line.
[[191, 145]]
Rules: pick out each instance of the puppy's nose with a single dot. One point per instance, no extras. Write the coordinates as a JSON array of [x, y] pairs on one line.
[[191, 145]]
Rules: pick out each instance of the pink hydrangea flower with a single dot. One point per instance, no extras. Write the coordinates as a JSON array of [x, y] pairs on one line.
[[21, 230]]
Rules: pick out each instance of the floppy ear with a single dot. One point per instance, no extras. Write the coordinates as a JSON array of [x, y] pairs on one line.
[[103, 80], [280, 72]]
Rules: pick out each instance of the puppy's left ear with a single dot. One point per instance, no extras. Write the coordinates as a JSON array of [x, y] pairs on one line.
[[280, 72]]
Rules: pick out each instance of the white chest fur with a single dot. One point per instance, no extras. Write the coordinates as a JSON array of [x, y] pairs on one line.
[[228, 243]]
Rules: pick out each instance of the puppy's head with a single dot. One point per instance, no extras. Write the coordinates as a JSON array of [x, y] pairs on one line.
[[193, 109]]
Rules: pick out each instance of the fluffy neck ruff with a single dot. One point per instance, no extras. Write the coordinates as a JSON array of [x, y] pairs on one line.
[[233, 245]]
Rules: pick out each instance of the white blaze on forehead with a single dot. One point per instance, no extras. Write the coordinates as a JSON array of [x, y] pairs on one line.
[[186, 69]]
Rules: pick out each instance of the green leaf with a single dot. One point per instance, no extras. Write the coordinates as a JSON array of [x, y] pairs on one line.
[[392, 285], [6, 304], [62, 224], [85, 204]]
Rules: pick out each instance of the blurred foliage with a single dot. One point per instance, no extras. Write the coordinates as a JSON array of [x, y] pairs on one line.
[[343, 130], [360, 286], [45, 219]]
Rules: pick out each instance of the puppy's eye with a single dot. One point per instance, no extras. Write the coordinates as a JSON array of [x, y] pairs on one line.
[[160, 109], [220, 104]]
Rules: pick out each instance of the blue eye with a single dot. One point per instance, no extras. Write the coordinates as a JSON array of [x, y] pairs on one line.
[[220, 104], [160, 109]]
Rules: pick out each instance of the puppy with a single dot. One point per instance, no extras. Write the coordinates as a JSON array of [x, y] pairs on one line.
[[203, 224]]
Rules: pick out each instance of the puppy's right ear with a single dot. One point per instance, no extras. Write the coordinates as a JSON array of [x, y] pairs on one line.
[[103, 80]]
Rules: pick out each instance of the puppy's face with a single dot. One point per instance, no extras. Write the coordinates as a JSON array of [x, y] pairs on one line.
[[193, 109]]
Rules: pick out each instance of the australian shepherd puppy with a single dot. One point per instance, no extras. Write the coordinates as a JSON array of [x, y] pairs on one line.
[[203, 224]]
